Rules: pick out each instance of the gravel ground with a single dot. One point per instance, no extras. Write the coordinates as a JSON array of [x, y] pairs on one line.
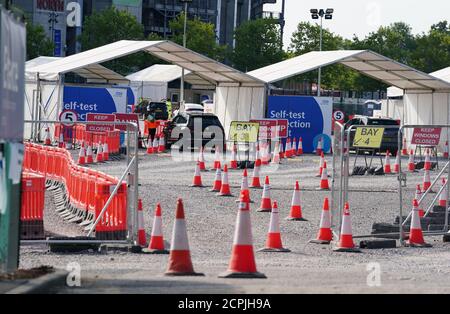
[[210, 222]]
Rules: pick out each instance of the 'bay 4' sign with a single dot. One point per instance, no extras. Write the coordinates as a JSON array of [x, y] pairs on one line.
[[308, 117]]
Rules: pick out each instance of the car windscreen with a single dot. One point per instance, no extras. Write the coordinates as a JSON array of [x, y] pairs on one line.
[[205, 120], [382, 122]]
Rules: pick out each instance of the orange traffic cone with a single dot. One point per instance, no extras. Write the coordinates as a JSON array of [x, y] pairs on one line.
[[242, 263], [294, 147], [156, 243], [427, 163], [397, 163], [404, 148], [150, 146], [443, 195], [411, 165], [296, 207], [180, 263], [276, 154], [256, 184], [387, 163], [266, 202], [161, 144], [201, 160], [445, 154], [155, 145], [217, 181], [89, 155], [142, 238], [99, 155], [418, 196], [47, 140], [197, 180], [61, 140], [273, 242], [225, 186], [233, 161], [264, 153], [105, 152], [325, 235], [324, 178], [282, 156], [345, 243], [426, 181], [217, 159], [288, 151], [300, 147], [415, 232], [322, 159], [82, 156], [319, 148], [244, 187]]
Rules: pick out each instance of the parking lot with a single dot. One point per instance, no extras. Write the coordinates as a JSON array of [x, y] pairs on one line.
[[211, 220]]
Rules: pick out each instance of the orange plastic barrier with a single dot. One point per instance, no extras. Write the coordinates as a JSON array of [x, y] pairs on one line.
[[87, 190], [32, 206], [80, 135]]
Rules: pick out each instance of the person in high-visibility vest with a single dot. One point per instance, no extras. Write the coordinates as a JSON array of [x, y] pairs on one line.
[[151, 125], [169, 109]]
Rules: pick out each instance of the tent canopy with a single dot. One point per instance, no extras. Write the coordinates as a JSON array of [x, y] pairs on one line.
[[93, 73], [165, 73], [206, 68], [443, 74], [364, 61]]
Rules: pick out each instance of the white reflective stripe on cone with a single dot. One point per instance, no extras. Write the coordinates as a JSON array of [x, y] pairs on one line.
[[197, 170], [218, 175], [295, 198], [243, 232], [105, 147], [256, 171], [224, 177], [324, 174], [325, 220], [346, 225], [415, 219], [266, 191], [179, 236], [157, 226], [244, 184], [274, 226]]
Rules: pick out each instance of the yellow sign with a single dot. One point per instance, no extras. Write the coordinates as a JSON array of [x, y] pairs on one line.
[[242, 131], [368, 137]]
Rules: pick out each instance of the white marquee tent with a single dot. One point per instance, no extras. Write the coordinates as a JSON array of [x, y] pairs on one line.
[[153, 81], [238, 96]]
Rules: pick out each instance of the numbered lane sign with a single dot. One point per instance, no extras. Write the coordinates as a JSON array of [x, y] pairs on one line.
[[68, 117], [367, 137], [338, 116]]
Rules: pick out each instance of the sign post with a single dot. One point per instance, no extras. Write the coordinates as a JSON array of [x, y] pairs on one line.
[[12, 72]]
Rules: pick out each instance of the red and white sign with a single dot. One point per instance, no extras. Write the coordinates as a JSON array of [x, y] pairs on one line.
[[126, 117], [272, 128], [100, 117], [339, 116], [426, 136], [68, 117]]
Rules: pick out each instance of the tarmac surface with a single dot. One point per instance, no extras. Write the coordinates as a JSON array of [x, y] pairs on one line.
[[309, 268]]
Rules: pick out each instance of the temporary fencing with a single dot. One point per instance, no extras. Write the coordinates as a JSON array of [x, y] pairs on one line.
[[32, 206], [86, 190]]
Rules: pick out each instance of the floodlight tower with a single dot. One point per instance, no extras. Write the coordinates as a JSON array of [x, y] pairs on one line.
[[316, 14]]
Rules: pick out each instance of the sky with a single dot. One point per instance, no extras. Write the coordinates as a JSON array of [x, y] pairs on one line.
[[361, 17]]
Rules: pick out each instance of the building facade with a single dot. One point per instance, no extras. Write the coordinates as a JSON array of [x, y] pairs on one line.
[[155, 15]]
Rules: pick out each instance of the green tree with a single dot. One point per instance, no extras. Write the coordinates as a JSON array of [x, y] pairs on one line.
[[111, 25], [433, 49], [38, 44], [305, 39], [257, 45], [200, 36], [395, 41]]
